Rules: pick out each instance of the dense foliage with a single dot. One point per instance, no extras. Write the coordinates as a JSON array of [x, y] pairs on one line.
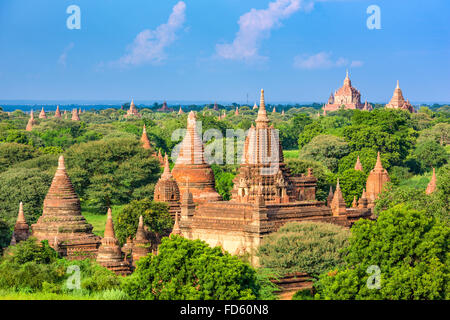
[[310, 247], [409, 248], [191, 269]]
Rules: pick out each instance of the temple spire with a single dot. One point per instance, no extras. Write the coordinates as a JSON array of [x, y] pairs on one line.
[[176, 227], [140, 233], [144, 139], [338, 206], [398, 86], [358, 165], [109, 228], [57, 113], [378, 164], [42, 115], [261, 119], [21, 216], [166, 174]]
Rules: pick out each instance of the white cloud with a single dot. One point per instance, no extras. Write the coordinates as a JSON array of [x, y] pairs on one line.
[[254, 26], [322, 60], [62, 60], [149, 45]]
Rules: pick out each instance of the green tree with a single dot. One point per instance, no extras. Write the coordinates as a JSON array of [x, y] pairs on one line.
[[352, 183], [409, 248], [430, 154], [310, 247], [191, 269], [11, 153], [309, 132], [156, 218], [327, 149]]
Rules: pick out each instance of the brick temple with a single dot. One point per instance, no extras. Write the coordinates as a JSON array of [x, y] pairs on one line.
[[347, 97], [398, 102]]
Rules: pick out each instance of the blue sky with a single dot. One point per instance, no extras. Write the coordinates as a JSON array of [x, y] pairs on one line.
[[222, 50]]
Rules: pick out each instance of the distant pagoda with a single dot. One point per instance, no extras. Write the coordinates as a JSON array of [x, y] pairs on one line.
[[21, 228], [144, 139], [133, 111], [31, 122], [75, 116], [432, 186], [346, 96], [358, 165], [42, 115], [398, 102], [57, 113], [164, 108], [62, 223]]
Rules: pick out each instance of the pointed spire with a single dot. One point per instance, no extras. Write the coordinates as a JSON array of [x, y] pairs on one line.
[[140, 233], [432, 186], [274, 110], [378, 164], [57, 113], [362, 203], [109, 228], [261, 119], [330, 197], [398, 85], [255, 106], [180, 111], [144, 139], [42, 115], [358, 165], [176, 227], [166, 174], [21, 216], [236, 112], [338, 206], [30, 123], [75, 116], [354, 203]]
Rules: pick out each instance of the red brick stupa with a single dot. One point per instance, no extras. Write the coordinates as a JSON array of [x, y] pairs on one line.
[[164, 108], [358, 165], [398, 102], [109, 253], [75, 116], [57, 113], [166, 189], [376, 180], [346, 96], [191, 167], [141, 244], [338, 206], [61, 222], [42, 115], [144, 139], [31, 122], [21, 228]]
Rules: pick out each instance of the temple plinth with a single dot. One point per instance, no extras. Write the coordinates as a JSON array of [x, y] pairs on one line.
[[347, 97], [62, 223], [376, 180], [398, 102], [191, 167]]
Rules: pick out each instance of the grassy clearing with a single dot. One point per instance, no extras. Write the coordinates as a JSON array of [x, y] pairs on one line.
[[290, 154], [98, 220]]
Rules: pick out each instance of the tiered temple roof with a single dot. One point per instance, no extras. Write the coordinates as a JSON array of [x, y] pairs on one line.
[[431, 187], [62, 223], [398, 102], [376, 180], [166, 189], [346, 96], [109, 253], [262, 164], [191, 167]]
